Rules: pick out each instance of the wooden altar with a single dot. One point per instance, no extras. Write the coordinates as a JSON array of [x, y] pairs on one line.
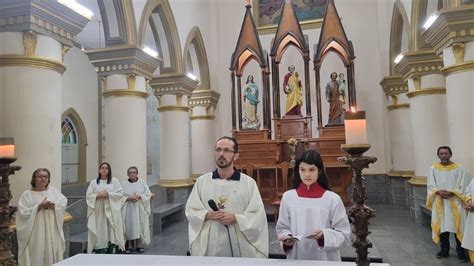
[[264, 154]]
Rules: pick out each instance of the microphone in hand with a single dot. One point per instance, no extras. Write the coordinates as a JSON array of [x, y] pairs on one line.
[[213, 205]]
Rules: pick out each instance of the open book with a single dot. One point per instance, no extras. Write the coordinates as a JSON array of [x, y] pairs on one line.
[[296, 238]]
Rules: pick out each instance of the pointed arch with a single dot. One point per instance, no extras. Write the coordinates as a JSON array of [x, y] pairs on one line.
[[118, 21], [165, 14], [81, 133], [400, 26], [195, 39]]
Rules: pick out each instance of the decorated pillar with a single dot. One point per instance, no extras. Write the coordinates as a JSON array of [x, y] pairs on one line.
[[174, 93], [203, 106], [452, 36], [428, 116], [123, 74], [34, 36]]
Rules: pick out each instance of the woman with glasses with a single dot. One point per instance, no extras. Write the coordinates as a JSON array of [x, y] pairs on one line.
[[312, 222], [104, 201], [39, 222]]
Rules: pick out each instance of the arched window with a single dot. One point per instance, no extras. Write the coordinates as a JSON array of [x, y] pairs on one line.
[[69, 152]]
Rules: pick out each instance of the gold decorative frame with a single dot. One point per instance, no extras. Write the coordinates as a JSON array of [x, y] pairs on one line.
[[271, 28]]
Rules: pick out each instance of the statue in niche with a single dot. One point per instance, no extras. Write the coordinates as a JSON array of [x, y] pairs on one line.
[[335, 95], [250, 92], [292, 87]]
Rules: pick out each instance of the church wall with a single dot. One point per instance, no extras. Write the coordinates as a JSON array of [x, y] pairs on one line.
[[80, 91], [360, 21]]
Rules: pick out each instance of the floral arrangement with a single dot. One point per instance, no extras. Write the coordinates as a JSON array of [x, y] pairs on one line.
[[221, 200], [292, 142]]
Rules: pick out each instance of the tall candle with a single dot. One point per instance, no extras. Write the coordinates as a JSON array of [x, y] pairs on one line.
[[7, 148], [355, 127]]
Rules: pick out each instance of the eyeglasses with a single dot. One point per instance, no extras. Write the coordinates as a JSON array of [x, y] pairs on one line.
[[225, 150]]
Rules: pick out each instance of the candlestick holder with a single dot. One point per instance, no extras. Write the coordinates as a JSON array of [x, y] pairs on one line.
[[6, 211], [359, 213]]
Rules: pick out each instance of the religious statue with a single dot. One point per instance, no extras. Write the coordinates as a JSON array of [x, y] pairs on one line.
[[250, 92], [342, 88], [292, 87], [336, 98]]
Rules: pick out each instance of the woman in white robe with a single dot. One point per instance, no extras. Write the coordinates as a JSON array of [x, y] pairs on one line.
[[136, 211], [468, 239], [312, 223], [39, 222], [104, 201]]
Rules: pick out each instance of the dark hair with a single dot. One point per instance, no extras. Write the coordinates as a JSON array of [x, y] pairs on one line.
[[310, 157], [132, 167], [236, 146], [33, 176], [444, 148], [109, 176]]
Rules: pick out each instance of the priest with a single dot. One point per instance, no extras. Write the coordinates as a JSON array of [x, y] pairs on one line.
[[225, 211]]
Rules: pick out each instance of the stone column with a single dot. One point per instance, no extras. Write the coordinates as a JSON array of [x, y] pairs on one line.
[[428, 114], [123, 73], [400, 139], [173, 93], [452, 36], [34, 35], [203, 105]]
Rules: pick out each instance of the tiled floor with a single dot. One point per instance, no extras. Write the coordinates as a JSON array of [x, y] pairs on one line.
[[398, 240]]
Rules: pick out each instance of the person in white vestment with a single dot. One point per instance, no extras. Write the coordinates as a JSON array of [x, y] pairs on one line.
[[39, 222], [446, 185], [237, 227], [136, 211], [468, 239], [312, 222], [104, 201]]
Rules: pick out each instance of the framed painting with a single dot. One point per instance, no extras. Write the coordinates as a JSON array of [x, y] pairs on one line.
[[266, 14]]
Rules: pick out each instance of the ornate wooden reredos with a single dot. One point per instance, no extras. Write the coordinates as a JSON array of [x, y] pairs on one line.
[[249, 48], [333, 39], [288, 33]]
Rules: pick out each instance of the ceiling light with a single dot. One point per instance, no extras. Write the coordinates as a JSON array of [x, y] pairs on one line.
[[78, 8]]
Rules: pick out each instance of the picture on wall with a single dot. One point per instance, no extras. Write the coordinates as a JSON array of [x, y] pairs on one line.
[[266, 13]]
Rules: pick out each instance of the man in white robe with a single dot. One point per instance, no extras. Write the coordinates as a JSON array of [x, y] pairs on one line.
[[239, 228], [104, 215], [446, 185], [468, 239], [39, 223], [136, 210]]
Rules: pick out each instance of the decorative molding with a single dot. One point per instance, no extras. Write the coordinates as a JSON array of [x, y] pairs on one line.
[[131, 82], [463, 67], [203, 117], [419, 63], [453, 25], [417, 181], [458, 51], [205, 98], [64, 50], [394, 99], [179, 99], [125, 93], [29, 42], [179, 84], [401, 173], [426, 92], [176, 183], [417, 83], [8, 60], [398, 106], [48, 18], [173, 108], [123, 60], [394, 85]]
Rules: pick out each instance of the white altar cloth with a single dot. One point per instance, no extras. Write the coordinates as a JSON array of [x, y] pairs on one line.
[[106, 259]]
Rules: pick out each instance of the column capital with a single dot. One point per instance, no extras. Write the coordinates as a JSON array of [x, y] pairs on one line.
[[394, 85], [177, 84], [453, 25], [419, 63], [205, 98], [48, 18], [123, 60]]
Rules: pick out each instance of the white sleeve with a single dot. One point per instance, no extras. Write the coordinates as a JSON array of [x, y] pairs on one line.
[[339, 232]]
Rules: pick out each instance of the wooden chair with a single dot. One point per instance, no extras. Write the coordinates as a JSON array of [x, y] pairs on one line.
[[284, 167]]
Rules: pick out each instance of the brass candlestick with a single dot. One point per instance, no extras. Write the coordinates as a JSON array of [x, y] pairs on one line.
[[359, 213], [6, 211]]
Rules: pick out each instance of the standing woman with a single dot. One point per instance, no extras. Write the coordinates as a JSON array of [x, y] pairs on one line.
[[136, 211], [104, 200], [312, 213], [39, 222]]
